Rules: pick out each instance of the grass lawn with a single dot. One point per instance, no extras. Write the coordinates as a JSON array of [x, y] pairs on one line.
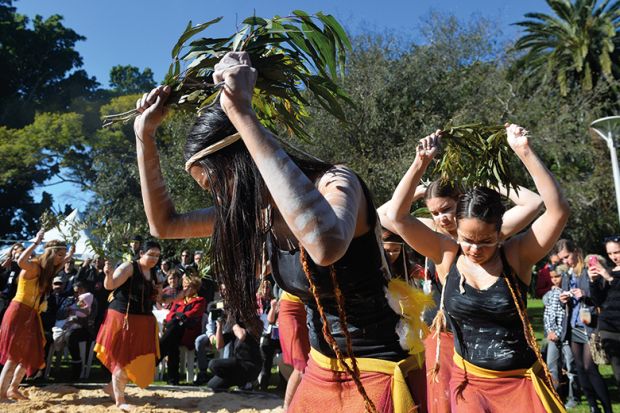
[[535, 311]]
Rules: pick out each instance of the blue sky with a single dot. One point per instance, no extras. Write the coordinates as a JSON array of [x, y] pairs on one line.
[[142, 32]]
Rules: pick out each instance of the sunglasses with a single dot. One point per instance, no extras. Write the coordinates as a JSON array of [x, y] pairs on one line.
[[613, 238]]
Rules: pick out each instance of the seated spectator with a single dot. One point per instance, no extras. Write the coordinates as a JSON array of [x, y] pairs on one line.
[[172, 290], [543, 278], [205, 343], [559, 354], [269, 343], [605, 290], [183, 325], [76, 323], [245, 362], [68, 275], [9, 275], [54, 302]]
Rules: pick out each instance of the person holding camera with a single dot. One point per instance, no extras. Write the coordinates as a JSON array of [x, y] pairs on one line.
[[245, 361], [182, 325], [580, 324], [605, 289]]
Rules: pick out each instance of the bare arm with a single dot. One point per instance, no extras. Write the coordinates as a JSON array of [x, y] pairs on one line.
[[323, 219], [419, 236], [116, 278], [535, 243], [239, 332], [164, 221], [420, 190], [31, 268], [527, 205], [69, 256]]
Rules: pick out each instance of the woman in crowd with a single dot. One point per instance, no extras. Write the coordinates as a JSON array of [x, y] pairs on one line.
[[306, 209], [183, 325], [580, 323], [605, 291], [21, 337], [485, 281], [9, 275], [127, 343]]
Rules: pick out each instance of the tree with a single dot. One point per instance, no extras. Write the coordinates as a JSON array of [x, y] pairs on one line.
[[576, 47], [128, 79], [39, 67]]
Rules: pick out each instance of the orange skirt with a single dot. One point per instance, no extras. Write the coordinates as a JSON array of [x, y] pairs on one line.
[[293, 332], [438, 390], [134, 349], [323, 390], [21, 337], [494, 395]]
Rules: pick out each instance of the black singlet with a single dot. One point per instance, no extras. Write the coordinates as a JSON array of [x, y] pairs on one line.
[[370, 321], [488, 331], [137, 290]]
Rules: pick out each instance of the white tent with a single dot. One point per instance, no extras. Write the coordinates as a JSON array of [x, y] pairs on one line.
[[63, 229]]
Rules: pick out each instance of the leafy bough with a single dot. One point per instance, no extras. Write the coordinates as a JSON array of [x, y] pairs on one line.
[[294, 56]]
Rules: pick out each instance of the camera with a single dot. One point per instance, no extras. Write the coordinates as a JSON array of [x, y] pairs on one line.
[[216, 310]]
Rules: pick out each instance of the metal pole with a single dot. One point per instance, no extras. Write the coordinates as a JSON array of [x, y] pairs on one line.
[[615, 169]]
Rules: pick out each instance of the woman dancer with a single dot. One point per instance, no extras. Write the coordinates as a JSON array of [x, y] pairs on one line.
[[21, 337], [441, 199], [485, 285], [307, 210], [128, 342], [575, 297]]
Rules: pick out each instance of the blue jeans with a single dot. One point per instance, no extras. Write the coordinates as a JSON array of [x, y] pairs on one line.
[[558, 355]]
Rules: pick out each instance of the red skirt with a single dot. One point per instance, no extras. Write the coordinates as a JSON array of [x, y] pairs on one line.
[[293, 332], [134, 349], [322, 390], [438, 390], [21, 338]]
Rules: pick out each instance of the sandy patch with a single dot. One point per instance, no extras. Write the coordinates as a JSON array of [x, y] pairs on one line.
[[68, 399]]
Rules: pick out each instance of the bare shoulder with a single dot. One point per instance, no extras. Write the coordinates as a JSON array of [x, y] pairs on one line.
[[512, 251], [338, 174]]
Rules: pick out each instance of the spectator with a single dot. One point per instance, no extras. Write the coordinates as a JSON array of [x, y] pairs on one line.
[[9, 276], [173, 288], [269, 344], [91, 273], [186, 260], [558, 348], [244, 364], [164, 270], [68, 274], [54, 303], [183, 325], [580, 324], [605, 290], [135, 245], [205, 342], [543, 278]]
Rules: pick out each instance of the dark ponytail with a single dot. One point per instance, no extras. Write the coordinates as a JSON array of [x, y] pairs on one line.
[[481, 203]]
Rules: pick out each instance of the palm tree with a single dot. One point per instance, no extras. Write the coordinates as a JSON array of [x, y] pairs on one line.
[[576, 47]]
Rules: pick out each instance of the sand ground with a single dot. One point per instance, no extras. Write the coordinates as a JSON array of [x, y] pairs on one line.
[[165, 399]]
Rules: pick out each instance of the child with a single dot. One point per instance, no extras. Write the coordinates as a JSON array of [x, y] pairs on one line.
[[554, 319]]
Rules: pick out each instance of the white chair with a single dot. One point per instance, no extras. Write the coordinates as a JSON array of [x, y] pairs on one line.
[[187, 359], [87, 359]]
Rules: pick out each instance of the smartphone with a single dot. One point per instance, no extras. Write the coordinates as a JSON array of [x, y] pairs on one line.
[[592, 261]]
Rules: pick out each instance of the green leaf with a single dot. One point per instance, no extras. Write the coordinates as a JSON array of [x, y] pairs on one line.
[[189, 32]]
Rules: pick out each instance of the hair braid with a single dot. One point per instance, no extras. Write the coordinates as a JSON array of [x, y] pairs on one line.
[[528, 331], [353, 372]]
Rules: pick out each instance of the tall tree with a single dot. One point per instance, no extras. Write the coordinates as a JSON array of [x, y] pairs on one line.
[[39, 66], [128, 79], [576, 47]]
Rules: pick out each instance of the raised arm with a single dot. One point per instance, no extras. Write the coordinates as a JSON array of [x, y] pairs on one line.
[[116, 278], [324, 219], [420, 190], [537, 241], [527, 205], [419, 236], [24, 259], [164, 221]]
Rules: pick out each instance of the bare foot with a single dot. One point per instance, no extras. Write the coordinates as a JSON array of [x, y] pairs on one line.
[[125, 407], [107, 389], [15, 394]]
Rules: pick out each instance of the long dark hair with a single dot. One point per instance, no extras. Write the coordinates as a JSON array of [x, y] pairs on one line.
[[240, 197], [442, 189], [481, 203]]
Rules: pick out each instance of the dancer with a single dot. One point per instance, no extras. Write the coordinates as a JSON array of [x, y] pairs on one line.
[[21, 336], [485, 284], [128, 342], [308, 210], [580, 324], [441, 199]]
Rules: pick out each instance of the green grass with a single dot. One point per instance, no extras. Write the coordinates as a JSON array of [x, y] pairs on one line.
[[535, 311]]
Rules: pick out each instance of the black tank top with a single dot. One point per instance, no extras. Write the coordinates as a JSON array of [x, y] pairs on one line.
[[488, 331], [370, 321], [430, 313], [137, 291]]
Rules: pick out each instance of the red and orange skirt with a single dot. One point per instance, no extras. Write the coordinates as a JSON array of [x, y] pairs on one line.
[[132, 346], [522, 390], [438, 387], [392, 387], [21, 337], [293, 332]]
